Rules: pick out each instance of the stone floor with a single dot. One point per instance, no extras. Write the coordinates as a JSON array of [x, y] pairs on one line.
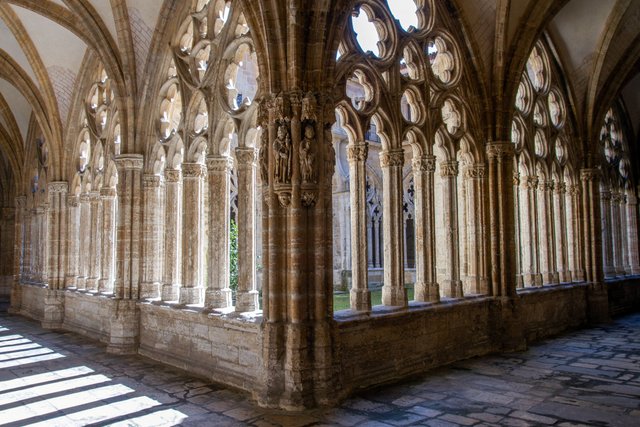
[[590, 377]]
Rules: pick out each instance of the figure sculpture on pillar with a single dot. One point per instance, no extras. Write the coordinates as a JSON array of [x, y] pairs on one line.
[[282, 153], [307, 157]]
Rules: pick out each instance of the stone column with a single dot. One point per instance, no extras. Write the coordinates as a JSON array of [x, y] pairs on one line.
[[85, 239], [616, 234], [18, 253], [218, 293], [517, 229], [560, 224], [108, 197], [95, 247], [360, 295], [73, 241], [529, 208], [247, 295], [26, 247], [475, 236], [607, 238], [57, 233], [172, 271], [574, 234], [624, 235], [632, 233], [41, 264], [393, 291], [501, 208], [451, 286], [545, 227], [192, 233], [152, 236], [128, 229], [426, 288]]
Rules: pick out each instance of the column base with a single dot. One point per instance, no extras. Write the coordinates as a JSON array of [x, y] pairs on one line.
[[452, 288], [635, 271], [564, 277], [532, 279], [550, 278], [426, 292], [577, 276], [92, 284], [394, 297], [217, 298], [149, 290], [360, 299], [53, 315], [16, 298], [105, 286], [191, 295], [170, 292], [81, 283], [70, 282], [246, 301]]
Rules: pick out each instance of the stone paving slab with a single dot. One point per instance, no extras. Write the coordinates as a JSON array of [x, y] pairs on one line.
[[589, 377]]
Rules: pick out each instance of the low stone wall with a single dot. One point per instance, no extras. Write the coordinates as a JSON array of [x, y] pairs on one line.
[[624, 296], [385, 347], [224, 348], [33, 301], [88, 314], [550, 310]]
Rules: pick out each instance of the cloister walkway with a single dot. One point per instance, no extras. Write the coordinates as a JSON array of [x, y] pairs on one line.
[[588, 377]]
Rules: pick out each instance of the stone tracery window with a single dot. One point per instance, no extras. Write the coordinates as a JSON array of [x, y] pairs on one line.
[[408, 57]]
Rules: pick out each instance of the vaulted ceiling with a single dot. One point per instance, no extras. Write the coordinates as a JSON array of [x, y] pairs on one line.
[[43, 43]]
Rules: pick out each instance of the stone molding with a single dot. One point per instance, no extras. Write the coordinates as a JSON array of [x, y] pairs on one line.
[[531, 182], [476, 171], [58, 187], [21, 202], [423, 164], [73, 200], [107, 193], [560, 187], [151, 181], [590, 175], [172, 175], [500, 151], [219, 164], [246, 156], [193, 170]]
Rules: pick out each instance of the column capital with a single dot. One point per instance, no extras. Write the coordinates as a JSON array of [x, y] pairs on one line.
[[129, 162], [475, 171], [590, 174], [151, 181], [516, 179], [172, 175], [73, 200], [58, 187], [107, 193], [21, 202], [560, 187], [193, 170], [246, 156], [358, 152], [85, 197], [449, 169], [531, 182], [393, 157], [94, 196], [424, 164], [548, 186], [605, 195], [573, 189], [219, 163], [500, 151]]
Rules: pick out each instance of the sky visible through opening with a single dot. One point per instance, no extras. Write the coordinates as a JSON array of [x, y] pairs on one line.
[[403, 10]]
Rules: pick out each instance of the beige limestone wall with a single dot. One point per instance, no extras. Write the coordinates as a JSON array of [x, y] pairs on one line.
[[88, 314], [225, 349], [548, 311], [386, 347], [5, 287], [33, 297]]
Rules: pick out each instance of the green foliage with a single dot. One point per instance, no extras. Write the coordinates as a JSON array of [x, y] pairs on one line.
[[233, 256]]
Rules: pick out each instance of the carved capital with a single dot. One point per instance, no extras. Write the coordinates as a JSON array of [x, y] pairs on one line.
[[392, 158], [126, 162], [616, 198], [560, 187], [592, 175], [193, 170], [449, 169], [58, 187], [531, 182], [358, 152], [21, 202], [548, 186], [574, 190], [94, 196], [475, 171], [516, 179], [309, 199], [605, 196], [219, 164], [73, 201], [172, 175], [500, 151], [108, 193], [151, 181], [284, 197], [85, 198], [246, 156], [423, 164]]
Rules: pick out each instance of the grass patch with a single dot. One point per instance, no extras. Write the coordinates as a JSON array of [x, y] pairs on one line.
[[341, 300]]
